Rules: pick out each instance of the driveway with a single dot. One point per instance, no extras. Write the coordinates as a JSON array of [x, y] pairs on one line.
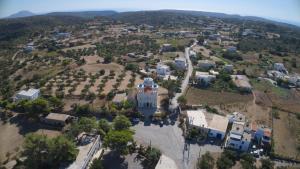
[[170, 141]]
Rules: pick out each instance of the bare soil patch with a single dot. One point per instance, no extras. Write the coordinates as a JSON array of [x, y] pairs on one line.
[[138, 80], [9, 133], [94, 68], [125, 81], [12, 134], [92, 59]]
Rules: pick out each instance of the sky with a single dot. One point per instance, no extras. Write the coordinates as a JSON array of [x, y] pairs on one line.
[[285, 10]]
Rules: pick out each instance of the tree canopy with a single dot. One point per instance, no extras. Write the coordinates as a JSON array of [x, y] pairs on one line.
[[104, 125], [206, 161], [227, 160], [118, 140], [151, 157], [121, 123], [43, 152], [248, 161]]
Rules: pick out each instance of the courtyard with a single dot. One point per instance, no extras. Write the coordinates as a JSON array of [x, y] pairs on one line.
[[168, 138]]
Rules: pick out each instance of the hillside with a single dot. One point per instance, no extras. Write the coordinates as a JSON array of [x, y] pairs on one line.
[[21, 14], [19, 28]]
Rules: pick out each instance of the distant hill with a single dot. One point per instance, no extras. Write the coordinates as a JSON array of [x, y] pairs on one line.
[[21, 14], [156, 17], [84, 14]]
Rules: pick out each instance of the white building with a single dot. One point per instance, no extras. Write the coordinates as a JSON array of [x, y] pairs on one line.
[[206, 64], [294, 80], [147, 94], [166, 47], [276, 75], [30, 94], [215, 125], [204, 78], [239, 138], [228, 68], [170, 77], [236, 117], [162, 70], [181, 63], [242, 82], [280, 67], [193, 54]]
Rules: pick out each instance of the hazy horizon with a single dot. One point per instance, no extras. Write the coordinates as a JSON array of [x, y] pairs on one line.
[[285, 11]]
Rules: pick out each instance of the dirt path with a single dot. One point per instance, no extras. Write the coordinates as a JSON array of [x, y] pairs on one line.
[[15, 55]]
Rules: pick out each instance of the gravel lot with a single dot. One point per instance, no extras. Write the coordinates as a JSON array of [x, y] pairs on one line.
[[170, 141]]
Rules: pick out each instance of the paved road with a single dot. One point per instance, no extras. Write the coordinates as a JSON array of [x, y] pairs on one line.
[[185, 81], [170, 141]]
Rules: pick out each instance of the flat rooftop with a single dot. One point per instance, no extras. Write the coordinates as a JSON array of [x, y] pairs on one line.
[[241, 81], [57, 116], [197, 118], [29, 92], [201, 118], [201, 73], [119, 97], [238, 128], [206, 62]]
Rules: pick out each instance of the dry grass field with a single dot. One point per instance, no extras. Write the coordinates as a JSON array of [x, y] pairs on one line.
[[9, 133], [94, 68], [79, 47], [197, 96], [228, 102], [284, 99], [169, 56], [92, 59], [286, 135]]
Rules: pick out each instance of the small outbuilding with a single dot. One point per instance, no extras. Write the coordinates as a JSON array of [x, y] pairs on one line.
[[56, 119], [206, 64], [204, 78]]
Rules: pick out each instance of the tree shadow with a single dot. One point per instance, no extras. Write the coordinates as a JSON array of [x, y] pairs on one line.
[[113, 161], [28, 126]]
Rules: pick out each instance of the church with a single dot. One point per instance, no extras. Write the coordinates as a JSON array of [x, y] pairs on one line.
[[147, 94]]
